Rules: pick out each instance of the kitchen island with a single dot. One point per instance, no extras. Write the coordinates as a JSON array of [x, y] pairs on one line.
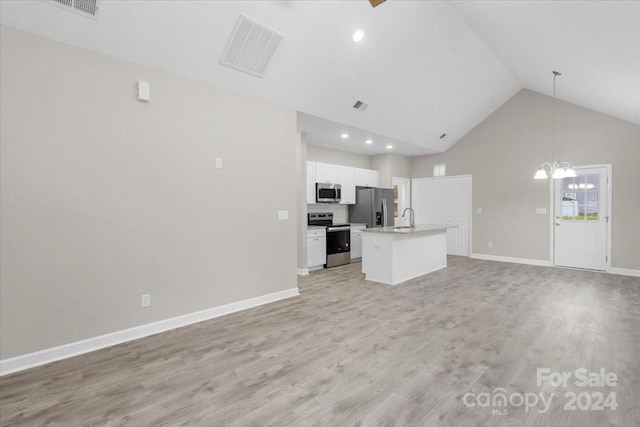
[[392, 255]]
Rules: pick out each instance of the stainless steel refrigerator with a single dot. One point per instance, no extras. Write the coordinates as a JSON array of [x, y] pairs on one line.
[[374, 206]]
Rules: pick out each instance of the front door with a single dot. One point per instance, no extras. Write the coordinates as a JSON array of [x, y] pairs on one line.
[[580, 225]]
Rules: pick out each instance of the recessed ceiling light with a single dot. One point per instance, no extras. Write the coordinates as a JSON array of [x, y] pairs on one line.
[[358, 36], [344, 135], [389, 146], [368, 141]]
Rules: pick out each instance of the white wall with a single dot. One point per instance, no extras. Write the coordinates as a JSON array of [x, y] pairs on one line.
[[105, 198], [316, 153], [503, 153], [389, 166]]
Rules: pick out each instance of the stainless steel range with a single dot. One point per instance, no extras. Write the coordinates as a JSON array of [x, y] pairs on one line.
[[338, 238]]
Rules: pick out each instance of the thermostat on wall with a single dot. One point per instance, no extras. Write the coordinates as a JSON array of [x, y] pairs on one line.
[[143, 91]]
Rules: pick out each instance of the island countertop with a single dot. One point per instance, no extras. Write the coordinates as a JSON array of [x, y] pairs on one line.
[[420, 228]]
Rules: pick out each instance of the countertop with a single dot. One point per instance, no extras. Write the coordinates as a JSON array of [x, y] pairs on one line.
[[420, 228]]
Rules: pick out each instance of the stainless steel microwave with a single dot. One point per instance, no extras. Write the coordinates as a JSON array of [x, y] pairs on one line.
[[327, 193]]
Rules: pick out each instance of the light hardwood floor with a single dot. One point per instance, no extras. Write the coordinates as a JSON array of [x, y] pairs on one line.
[[347, 352]]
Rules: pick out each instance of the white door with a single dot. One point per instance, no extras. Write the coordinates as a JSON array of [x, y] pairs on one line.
[[445, 200], [580, 226]]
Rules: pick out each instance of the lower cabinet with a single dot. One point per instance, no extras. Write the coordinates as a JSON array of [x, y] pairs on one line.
[[316, 248], [356, 241]]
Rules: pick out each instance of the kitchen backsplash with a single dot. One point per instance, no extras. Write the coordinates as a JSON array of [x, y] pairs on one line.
[[340, 212]]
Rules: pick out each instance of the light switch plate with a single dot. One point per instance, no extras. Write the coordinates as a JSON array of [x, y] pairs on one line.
[[144, 91], [479, 211], [541, 211], [282, 215], [145, 300]]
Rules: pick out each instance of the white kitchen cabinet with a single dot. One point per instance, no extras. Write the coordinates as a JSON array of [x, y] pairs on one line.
[[366, 178], [347, 177], [327, 173], [348, 185], [356, 241], [311, 182], [316, 247]]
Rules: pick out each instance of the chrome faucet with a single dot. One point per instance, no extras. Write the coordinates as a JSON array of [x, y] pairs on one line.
[[411, 216]]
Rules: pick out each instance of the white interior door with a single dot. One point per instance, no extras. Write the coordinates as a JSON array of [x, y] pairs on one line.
[[445, 200], [580, 226]]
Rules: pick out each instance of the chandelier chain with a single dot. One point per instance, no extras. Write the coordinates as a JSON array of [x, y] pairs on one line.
[[553, 126]]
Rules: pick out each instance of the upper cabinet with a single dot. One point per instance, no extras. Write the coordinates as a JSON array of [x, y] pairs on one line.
[[311, 182], [366, 178], [346, 176], [327, 173], [348, 185]]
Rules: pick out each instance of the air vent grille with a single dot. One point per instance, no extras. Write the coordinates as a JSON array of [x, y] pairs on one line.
[[88, 8], [250, 47], [360, 105]]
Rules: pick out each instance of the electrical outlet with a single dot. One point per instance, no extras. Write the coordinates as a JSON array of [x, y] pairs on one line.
[[490, 244], [145, 300], [282, 215], [479, 211], [218, 163]]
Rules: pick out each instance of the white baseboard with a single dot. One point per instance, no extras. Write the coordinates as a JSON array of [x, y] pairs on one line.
[[544, 263], [30, 360], [303, 271], [625, 271], [528, 261]]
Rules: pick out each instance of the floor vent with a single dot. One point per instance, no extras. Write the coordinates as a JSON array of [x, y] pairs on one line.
[[360, 106], [88, 8], [250, 47]]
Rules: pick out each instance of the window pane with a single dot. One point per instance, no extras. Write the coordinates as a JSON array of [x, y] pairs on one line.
[[591, 205], [569, 210], [591, 192], [569, 196], [580, 198]]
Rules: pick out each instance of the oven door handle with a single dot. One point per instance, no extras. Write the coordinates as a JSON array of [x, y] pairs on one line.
[[336, 229]]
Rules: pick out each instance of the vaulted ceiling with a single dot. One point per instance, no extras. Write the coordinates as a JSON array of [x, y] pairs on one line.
[[424, 67]]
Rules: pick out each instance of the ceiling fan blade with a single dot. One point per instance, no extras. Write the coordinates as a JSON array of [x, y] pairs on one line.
[[375, 3]]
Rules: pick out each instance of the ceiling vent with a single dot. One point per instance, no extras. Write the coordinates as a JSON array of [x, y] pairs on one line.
[[360, 106], [250, 47], [88, 8]]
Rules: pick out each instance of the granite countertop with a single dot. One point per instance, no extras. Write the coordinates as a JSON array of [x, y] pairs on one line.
[[316, 227], [420, 228]]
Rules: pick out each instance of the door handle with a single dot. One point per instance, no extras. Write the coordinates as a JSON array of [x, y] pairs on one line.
[[557, 223]]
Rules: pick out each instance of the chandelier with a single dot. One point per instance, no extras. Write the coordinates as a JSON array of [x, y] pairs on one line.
[[556, 169]]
